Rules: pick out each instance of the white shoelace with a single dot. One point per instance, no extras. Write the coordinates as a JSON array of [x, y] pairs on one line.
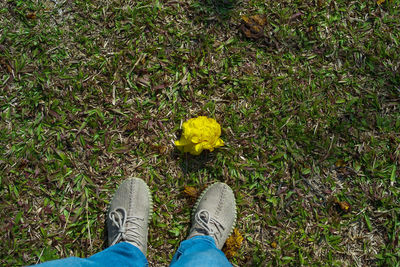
[[204, 219], [130, 234]]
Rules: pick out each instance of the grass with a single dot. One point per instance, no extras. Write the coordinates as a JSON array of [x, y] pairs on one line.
[[95, 91]]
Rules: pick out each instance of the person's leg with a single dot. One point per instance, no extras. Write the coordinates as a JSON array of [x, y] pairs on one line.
[[214, 217], [199, 251], [127, 225], [121, 254]]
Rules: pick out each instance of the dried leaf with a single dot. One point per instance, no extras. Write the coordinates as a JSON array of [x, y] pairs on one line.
[[253, 26], [260, 20], [160, 149], [341, 206], [31, 15], [295, 16], [233, 244], [344, 206], [6, 65], [9, 69], [274, 244], [159, 87], [340, 163], [190, 191], [246, 19]]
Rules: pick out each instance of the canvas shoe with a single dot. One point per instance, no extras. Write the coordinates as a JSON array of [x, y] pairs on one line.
[[129, 214], [214, 214]]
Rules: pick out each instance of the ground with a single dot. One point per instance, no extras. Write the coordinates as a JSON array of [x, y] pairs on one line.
[[307, 94]]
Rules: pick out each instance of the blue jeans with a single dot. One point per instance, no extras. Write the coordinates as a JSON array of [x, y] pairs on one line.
[[197, 251]]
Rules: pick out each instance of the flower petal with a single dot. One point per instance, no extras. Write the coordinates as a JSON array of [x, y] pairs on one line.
[[198, 134]]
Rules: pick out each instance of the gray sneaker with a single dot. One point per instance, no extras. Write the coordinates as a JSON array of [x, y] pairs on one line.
[[214, 214], [129, 214]]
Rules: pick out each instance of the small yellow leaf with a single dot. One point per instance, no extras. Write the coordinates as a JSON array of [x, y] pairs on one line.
[[379, 2], [253, 26], [159, 148], [340, 163], [233, 244], [190, 191], [344, 206], [31, 15], [246, 19], [274, 245], [260, 20]]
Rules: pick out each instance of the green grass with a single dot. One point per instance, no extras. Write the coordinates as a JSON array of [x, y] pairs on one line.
[[95, 91]]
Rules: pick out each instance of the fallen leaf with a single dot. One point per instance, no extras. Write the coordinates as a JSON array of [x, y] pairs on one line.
[[233, 244], [295, 16], [260, 20], [159, 87], [344, 206], [31, 15], [191, 192], [340, 163], [340, 206], [161, 149], [6, 65], [9, 69], [274, 245], [253, 26]]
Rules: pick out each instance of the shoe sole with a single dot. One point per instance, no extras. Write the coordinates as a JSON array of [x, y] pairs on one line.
[[199, 200]]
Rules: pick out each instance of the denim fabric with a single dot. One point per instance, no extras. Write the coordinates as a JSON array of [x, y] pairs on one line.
[[121, 254], [195, 252], [199, 251]]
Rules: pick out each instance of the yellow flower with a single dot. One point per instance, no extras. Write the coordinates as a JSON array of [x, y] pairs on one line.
[[198, 134]]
